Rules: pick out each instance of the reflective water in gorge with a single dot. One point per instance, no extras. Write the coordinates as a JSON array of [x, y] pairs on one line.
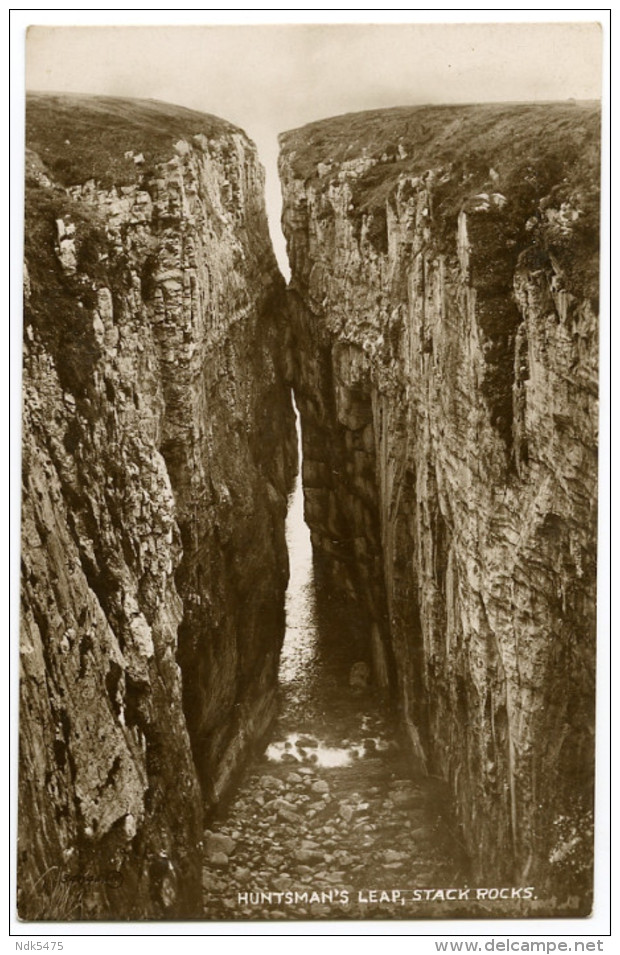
[[324, 719]]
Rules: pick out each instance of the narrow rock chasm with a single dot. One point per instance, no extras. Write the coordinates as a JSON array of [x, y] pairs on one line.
[[414, 731], [331, 808]]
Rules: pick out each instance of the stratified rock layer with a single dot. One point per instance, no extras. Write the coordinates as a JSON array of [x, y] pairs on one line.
[[443, 293], [157, 455]]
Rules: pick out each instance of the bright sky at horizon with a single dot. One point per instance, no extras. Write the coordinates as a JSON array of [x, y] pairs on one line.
[[267, 79]]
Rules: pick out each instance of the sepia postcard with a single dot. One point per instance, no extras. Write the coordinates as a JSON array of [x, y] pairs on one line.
[[309, 459]]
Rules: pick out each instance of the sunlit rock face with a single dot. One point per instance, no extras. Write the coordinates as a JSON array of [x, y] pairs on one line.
[[444, 307], [158, 445]]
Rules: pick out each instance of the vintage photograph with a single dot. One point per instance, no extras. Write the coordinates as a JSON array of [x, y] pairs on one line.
[[309, 458]]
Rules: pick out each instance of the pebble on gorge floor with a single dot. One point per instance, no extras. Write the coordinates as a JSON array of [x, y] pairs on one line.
[[327, 833]]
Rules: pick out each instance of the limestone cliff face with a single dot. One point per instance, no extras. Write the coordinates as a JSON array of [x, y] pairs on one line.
[[158, 445], [444, 275]]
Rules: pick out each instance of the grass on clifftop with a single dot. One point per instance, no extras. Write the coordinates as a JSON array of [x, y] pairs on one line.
[[498, 135], [527, 152], [531, 148], [80, 137]]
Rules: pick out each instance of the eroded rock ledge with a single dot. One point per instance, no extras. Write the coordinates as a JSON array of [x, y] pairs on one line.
[[158, 449], [443, 298]]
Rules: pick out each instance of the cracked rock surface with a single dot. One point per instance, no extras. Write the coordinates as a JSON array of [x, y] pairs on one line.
[[444, 299], [158, 445]]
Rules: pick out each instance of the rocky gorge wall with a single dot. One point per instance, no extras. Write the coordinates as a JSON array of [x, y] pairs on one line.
[[158, 451], [443, 302]]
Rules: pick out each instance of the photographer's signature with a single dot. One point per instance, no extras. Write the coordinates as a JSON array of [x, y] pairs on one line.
[[111, 879]]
